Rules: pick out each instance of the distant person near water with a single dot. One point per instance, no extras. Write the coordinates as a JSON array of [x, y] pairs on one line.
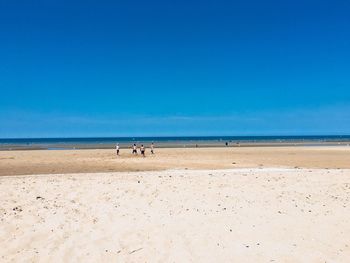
[[142, 150], [117, 148], [152, 148], [134, 149]]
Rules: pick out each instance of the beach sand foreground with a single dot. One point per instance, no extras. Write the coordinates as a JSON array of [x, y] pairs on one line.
[[241, 215]]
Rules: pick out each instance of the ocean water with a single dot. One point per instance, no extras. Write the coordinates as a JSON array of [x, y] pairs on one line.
[[193, 141]]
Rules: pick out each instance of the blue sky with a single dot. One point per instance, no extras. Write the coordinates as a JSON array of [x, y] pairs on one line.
[[151, 68]]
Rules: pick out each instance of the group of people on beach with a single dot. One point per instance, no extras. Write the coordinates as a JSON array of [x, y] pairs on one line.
[[134, 148]]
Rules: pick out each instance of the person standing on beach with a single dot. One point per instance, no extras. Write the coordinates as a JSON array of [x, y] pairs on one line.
[[152, 148], [117, 148], [134, 149], [142, 149]]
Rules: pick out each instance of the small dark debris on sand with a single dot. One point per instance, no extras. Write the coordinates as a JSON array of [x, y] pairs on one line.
[[18, 209], [135, 250]]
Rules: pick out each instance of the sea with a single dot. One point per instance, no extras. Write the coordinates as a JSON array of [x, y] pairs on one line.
[[162, 142]]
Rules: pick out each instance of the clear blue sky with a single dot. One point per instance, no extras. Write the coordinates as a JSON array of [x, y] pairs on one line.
[[129, 68]]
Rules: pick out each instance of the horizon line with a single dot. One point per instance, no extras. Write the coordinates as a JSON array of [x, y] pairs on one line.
[[177, 136]]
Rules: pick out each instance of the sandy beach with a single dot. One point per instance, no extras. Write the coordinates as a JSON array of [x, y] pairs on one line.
[[102, 160], [280, 204], [240, 215]]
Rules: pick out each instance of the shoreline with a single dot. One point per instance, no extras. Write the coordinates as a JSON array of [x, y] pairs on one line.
[[172, 142], [180, 145]]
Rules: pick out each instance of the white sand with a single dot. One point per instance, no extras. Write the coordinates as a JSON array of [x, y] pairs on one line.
[[243, 215]]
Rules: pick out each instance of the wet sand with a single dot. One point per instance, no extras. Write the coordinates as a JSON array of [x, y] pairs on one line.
[[86, 161]]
